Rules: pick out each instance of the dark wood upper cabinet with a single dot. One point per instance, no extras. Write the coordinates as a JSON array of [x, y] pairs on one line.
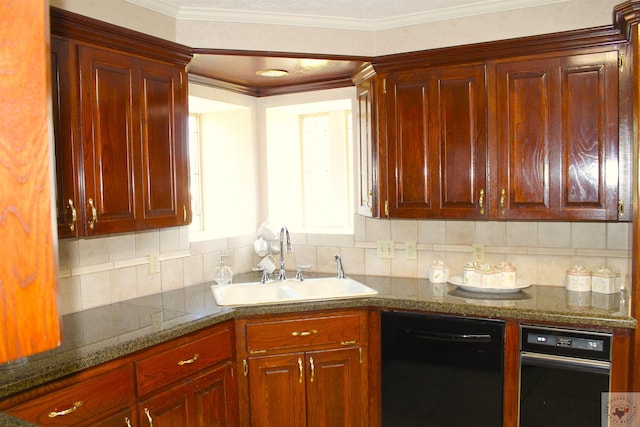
[[120, 123], [531, 137], [557, 145], [436, 143], [66, 150]]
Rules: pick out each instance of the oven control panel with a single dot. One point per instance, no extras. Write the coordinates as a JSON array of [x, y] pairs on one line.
[[566, 342]]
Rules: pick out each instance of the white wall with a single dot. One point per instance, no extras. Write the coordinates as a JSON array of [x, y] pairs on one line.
[[553, 17], [124, 14]]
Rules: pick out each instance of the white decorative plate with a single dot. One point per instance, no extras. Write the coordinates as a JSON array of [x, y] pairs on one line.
[[459, 281]]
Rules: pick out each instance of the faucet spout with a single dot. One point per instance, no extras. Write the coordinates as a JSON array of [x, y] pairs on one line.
[[284, 232], [340, 269]]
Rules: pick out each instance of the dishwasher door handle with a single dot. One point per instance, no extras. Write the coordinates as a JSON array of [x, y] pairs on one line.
[[552, 360], [449, 337]]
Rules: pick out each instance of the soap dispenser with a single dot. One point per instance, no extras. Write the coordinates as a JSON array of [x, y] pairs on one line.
[[222, 273]]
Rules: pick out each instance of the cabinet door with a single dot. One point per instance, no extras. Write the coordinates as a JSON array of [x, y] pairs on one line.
[[558, 138], [437, 143], [165, 179], [277, 391], [109, 139], [169, 408], [123, 418], [459, 132], [216, 398], [64, 97], [589, 136], [336, 394], [366, 119], [526, 162], [409, 152]]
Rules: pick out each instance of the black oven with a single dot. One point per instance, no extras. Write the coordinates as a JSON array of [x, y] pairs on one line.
[[563, 374]]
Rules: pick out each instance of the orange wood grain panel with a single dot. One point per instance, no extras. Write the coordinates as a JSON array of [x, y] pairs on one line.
[[28, 272]]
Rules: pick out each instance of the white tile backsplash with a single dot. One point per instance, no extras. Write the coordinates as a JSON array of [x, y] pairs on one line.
[[99, 271]]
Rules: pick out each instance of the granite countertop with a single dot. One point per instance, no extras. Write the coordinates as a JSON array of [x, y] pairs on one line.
[[105, 333]]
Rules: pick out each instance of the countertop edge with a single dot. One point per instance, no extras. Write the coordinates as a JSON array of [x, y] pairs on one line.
[[44, 370]]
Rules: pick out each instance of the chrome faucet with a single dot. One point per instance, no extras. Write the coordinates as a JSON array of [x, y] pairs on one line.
[[283, 232], [340, 269]]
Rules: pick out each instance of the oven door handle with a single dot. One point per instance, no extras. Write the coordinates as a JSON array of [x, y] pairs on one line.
[[449, 337], [552, 360]]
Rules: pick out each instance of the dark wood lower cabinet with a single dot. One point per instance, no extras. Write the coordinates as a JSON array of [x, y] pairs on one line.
[[335, 393], [304, 370], [314, 389], [123, 418], [169, 408], [165, 385], [216, 398]]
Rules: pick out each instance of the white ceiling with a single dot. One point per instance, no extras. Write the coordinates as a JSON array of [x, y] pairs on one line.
[[346, 14]]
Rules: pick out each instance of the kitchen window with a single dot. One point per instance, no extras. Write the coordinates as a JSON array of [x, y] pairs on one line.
[[310, 167], [222, 156]]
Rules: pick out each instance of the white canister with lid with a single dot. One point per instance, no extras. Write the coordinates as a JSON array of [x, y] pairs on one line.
[[604, 281], [438, 272], [578, 279]]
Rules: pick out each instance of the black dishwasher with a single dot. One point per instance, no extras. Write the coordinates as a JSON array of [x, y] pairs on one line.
[[441, 371]]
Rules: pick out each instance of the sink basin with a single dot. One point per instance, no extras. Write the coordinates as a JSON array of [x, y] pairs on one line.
[[291, 290]]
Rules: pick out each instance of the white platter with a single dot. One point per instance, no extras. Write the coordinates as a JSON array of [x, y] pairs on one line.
[[459, 282]]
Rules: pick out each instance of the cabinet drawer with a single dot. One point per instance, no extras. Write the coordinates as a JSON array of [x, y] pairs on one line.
[[171, 365], [80, 402], [311, 331]]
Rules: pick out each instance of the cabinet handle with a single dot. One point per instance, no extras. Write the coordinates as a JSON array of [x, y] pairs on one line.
[[127, 421], [67, 411], [304, 333], [245, 367], [301, 369], [502, 195], [313, 369], [369, 199], [481, 201], [189, 361], [621, 208], [74, 216], [94, 215], [146, 411], [184, 213]]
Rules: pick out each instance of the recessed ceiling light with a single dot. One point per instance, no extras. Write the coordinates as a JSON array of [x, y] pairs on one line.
[[273, 73]]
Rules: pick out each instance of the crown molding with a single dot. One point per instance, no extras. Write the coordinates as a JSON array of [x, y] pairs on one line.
[[169, 8]]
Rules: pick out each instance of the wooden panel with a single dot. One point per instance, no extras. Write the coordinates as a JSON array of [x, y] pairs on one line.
[[460, 141], [170, 408], [118, 419], [374, 369], [108, 128], [336, 396], [64, 98], [525, 133], [409, 152], [511, 390], [366, 135], [277, 391], [589, 88], [307, 332], [216, 398], [82, 401], [28, 274], [161, 153], [171, 365]]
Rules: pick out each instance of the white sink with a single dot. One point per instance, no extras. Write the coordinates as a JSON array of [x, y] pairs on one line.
[[290, 290]]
